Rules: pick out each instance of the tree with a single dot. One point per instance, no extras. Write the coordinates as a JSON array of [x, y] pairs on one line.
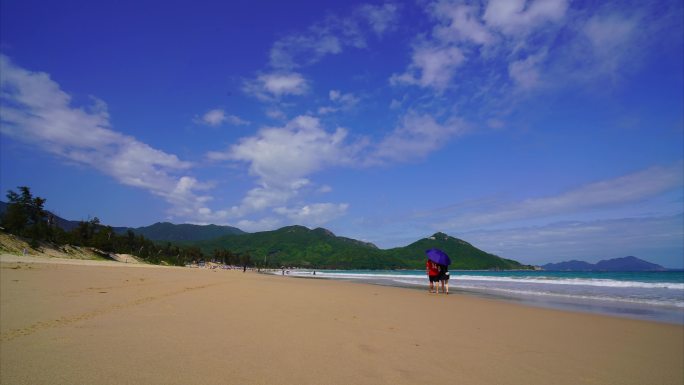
[[25, 215], [15, 219], [102, 238]]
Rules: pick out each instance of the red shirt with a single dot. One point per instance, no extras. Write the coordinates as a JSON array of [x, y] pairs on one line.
[[432, 268]]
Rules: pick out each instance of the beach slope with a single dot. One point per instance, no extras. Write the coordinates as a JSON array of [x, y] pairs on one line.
[[117, 323]]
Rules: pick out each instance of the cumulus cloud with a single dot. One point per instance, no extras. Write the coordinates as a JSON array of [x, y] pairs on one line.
[[270, 86], [282, 159], [218, 116], [37, 111], [314, 214], [279, 155]]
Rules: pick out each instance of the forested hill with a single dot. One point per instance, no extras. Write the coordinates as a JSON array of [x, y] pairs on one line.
[[464, 256], [303, 247], [160, 231], [165, 231], [320, 248]]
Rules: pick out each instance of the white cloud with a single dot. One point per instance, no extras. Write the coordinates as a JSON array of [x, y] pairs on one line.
[[460, 23], [236, 120], [281, 158], [416, 137], [325, 189], [327, 110], [395, 104], [333, 35], [603, 194], [381, 18], [488, 48], [217, 117], [291, 51], [37, 111], [263, 224], [276, 113], [265, 196], [606, 32], [214, 117], [526, 72], [471, 34], [496, 123], [280, 155], [611, 39], [431, 66], [521, 16], [345, 99], [341, 102], [314, 214], [656, 239], [276, 84]]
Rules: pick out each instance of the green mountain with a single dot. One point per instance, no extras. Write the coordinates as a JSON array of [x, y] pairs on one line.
[[464, 256], [300, 246], [160, 231], [164, 231], [320, 248]]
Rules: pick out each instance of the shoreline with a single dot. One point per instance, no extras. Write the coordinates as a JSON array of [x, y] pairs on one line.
[[85, 323], [609, 307], [634, 311]]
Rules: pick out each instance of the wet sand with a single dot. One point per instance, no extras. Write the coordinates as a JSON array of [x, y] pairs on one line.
[[110, 323]]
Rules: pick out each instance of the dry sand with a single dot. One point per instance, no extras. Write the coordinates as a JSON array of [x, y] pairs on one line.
[[112, 323]]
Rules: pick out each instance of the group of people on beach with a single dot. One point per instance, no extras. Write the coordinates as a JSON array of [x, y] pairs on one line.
[[438, 275]]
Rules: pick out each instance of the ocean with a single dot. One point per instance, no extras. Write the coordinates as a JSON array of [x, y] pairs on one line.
[[656, 296]]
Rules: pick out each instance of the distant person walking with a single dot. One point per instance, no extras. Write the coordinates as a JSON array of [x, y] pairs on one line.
[[433, 275]]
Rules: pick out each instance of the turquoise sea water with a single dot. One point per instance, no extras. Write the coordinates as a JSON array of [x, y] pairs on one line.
[[655, 296]]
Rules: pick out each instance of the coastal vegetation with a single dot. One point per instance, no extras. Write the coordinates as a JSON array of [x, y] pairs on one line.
[[25, 217], [292, 246]]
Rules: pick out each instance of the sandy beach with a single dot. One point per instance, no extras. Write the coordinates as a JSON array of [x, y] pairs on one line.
[[88, 322]]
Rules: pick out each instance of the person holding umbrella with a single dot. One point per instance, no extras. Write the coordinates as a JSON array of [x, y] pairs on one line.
[[442, 260]]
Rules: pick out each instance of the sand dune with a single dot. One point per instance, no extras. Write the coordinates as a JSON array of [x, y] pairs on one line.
[[113, 323]]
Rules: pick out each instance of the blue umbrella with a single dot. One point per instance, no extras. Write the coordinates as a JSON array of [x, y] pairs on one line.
[[438, 256]]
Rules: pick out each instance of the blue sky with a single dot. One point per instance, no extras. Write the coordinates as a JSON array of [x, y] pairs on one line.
[[537, 130]]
